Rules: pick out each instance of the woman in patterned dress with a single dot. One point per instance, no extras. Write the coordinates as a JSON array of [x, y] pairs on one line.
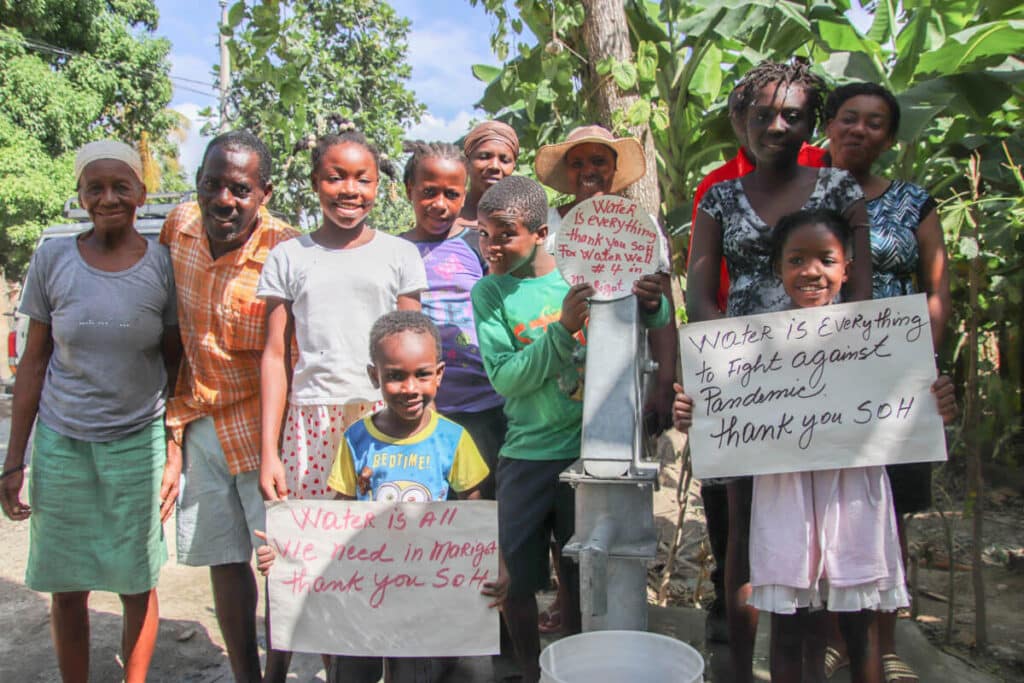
[[908, 256], [780, 106]]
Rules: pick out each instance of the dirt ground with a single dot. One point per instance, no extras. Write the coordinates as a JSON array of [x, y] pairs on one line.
[[1004, 581], [1003, 520], [190, 649]]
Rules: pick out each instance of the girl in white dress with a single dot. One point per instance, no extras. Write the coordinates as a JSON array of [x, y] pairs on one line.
[[822, 539]]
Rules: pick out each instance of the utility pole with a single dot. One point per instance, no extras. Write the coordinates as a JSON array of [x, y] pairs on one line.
[[225, 66]]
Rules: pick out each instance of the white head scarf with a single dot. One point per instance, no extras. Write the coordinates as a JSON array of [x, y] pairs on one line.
[[107, 149]]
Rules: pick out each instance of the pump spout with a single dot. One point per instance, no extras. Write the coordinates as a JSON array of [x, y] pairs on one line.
[[593, 558]]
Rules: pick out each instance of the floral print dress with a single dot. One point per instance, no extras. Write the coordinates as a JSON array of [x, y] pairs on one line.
[[895, 259]]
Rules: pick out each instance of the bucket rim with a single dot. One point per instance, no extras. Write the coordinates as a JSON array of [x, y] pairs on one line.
[[621, 633], [547, 655]]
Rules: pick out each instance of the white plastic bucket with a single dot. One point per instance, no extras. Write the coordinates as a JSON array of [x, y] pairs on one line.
[[620, 657]]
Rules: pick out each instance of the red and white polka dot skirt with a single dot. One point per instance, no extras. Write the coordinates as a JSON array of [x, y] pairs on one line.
[[310, 440]]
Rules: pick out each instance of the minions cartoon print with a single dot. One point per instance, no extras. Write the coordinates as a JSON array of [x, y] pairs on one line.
[[401, 491]]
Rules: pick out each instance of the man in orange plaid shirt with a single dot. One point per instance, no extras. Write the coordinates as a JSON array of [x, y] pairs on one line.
[[218, 246]]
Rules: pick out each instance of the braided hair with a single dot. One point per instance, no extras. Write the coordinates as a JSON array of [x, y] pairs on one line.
[[794, 72], [350, 134], [421, 150]]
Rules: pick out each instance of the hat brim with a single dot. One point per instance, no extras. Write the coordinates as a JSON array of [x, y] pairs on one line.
[[630, 164]]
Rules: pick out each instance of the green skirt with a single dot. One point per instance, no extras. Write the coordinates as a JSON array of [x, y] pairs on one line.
[[95, 521]]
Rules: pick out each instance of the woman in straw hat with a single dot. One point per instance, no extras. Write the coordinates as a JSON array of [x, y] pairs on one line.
[[491, 149], [592, 162], [102, 335]]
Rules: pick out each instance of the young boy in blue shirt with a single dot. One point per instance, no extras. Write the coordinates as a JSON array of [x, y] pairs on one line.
[[529, 327], [404, 453]]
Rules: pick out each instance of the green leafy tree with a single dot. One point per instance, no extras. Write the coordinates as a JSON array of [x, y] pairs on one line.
[[300, 67], [73, 72], [33, 188], [950, 63]]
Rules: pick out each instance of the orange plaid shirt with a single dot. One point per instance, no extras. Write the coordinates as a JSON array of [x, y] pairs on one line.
[[223, 328]]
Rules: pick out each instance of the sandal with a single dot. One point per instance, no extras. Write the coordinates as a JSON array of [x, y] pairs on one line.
[[895, 670], [834, 661], [550, 621]]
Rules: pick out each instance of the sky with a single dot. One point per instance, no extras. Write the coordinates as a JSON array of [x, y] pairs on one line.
[[447, 37]]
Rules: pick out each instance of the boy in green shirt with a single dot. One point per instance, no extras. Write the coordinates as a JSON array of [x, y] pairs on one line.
[[529, 325]]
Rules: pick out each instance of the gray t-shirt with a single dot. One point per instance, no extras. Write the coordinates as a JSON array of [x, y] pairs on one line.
[[106, 377]]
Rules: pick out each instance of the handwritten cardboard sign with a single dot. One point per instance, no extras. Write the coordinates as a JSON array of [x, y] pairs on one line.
[[608, 242], [814, 388], [383, 579]]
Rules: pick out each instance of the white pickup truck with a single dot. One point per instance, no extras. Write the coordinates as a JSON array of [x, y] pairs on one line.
[[149, 219]]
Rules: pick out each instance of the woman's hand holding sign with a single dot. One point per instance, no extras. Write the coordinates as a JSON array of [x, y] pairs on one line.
[[945, 398], [648, 293]]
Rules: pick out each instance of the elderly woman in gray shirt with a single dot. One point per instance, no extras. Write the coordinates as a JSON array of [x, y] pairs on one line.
[[94, 377]]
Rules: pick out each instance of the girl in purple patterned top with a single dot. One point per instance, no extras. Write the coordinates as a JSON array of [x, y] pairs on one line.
[[435, 182]]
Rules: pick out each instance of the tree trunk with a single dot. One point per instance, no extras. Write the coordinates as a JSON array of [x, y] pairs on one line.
[[606, 34], [972, 420]]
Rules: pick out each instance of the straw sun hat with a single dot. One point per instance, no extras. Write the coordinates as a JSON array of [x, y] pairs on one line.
[[629, 157]]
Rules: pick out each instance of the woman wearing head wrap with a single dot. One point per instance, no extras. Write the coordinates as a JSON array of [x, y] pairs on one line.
[[102, 336], [492, 149]]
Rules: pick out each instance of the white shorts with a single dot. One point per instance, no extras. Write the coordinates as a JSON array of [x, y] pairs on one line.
[[217, 512]]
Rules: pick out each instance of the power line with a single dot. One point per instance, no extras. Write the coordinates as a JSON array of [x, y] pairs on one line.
[[178, 81], [40, 46], [192, 80], [193, 90]]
